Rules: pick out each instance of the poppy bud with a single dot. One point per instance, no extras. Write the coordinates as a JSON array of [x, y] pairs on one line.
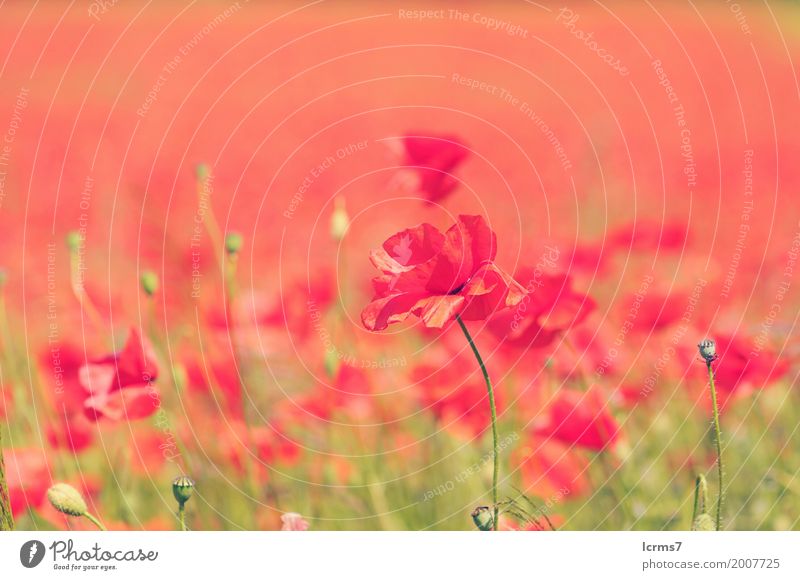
[[67, 500], [233, 242], [202, 172], [182, 488], [149, 281], [482, 516], [340, 221], [73, 241], [331, 362], [708, 350]]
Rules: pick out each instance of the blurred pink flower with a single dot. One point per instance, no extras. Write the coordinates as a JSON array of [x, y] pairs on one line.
[[293, 522]]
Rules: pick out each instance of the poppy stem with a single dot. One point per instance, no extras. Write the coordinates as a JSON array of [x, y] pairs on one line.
[[493, 409], [95, 521], [6, 518], [718, 442], [182, 516]]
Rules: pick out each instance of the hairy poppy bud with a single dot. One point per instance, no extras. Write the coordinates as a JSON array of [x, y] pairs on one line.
[[340, 221], [67, 500], [708, 350], [149, 281], [482, 516], [233, 242], [182, 488]]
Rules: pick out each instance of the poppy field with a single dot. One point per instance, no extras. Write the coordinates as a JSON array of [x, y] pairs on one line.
[[399, 266]]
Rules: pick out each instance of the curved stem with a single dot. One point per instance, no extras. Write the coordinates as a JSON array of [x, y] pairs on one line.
[[718, 442], [95, 521], [493, 410]]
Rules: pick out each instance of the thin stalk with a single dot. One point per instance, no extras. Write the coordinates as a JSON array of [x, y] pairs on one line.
[[6, 518], [718, 442], [95, 521], [700, 493], [493, 409], [182, 517]]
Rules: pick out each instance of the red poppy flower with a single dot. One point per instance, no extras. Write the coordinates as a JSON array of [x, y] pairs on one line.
[[120, 384], [73, 432], [350, 392], [457, 400], [28, 478], [654, 312], [549, 469], [274, 446], [550, 307], [436, 276], [434, 158], [218, 378], [299, 303], [581, 419]]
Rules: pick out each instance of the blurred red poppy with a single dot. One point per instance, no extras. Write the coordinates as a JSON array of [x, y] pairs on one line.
[[549, 469], [457, 399], [120, 384], [434, 158], [550, 307], [581, 419], [437, 276], [28, 478], [350, 392]]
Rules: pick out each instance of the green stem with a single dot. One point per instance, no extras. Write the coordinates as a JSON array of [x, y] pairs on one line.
[[6, 519], [700, 492], [718, 441], [182, 516], [95, 521], [493, 410]]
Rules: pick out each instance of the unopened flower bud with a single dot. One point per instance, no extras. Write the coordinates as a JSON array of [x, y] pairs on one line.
[[182, 488], [202, 172], [482, 516], [73, 241], [340, 221], [67, 500], [149, 281], [233, 242], [708, 350]]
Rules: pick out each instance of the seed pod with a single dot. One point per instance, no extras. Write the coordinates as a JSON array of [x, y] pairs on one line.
[[67, 500], [182, 488], [708, 350], [482, 516]]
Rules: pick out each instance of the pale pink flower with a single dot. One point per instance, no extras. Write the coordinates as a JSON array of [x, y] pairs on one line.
[[293, 522]]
